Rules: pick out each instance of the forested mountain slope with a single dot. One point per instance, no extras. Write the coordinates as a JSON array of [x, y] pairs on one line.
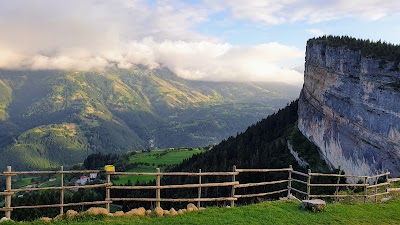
[[265, 144], [49, 118]]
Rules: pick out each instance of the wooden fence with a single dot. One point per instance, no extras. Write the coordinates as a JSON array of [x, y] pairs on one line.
[[295, 179]]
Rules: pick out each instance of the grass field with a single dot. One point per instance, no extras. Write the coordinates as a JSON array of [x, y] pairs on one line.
[[276, 212], [54, 183], [124, 179], [155, 159], [170, 157], [21, 182]]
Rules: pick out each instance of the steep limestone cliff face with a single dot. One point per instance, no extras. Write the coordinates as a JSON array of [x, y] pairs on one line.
[[350, 108]]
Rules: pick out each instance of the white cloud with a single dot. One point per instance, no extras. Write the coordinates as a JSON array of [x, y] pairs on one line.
[[92, 34], [274, 12]]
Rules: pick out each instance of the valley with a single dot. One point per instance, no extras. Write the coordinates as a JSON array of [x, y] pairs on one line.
[[52, 118]]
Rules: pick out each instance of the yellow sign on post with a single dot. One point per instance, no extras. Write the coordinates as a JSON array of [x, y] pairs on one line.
[[109, 168]]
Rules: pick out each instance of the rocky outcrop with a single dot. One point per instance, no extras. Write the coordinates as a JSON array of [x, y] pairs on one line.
[[350, 108], [314, 205], [299, 160]]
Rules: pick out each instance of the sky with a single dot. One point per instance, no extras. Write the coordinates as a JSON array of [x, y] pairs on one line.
[[214, 40]]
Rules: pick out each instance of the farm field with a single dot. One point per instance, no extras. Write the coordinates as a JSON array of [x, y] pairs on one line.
[[149, 161], [165, 156]]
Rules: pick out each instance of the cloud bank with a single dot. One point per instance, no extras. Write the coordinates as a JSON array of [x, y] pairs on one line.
[[93, 35], [96, 34], [201, 60], [273, 12]]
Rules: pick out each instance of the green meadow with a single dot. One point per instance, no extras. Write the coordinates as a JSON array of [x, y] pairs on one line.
[[149, 161]]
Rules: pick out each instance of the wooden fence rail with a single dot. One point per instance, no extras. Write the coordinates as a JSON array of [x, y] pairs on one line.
[[370, 186]]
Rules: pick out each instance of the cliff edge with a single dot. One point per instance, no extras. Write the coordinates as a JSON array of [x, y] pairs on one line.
[[350, 104]]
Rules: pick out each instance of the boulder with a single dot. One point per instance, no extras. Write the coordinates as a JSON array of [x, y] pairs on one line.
[[180, 211], [173, 212], [191, 207], [314, 205], [137, 212], [71, 213], [202, 208], [97, 211], [131, 212], [59, 216], [159, 211], [119, 213], [149, 212], [141, 211], [184, 210], [4, 219], [45, 219], [166, 212]]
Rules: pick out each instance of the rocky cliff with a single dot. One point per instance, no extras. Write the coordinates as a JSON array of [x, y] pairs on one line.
[[350, 108]]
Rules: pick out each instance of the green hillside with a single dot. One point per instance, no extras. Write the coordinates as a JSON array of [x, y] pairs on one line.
[[5, 99], [278, 212], [49, 146], [116, 111]]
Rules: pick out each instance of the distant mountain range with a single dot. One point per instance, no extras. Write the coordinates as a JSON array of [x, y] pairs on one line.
[[51, 118]]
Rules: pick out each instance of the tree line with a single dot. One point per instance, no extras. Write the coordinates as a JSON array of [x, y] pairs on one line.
[[373, 49]]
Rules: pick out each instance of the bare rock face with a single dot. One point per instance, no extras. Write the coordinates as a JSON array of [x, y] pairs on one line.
[[349, 107]]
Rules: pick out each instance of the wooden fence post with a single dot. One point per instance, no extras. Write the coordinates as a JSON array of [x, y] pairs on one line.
[[337, 187], [233, 187], [158, 190], [376, 188], [108, 190], [199, 190], [290, 180], [308, 184], [62, 190], [9, 194], [365, 188], [387, 180]]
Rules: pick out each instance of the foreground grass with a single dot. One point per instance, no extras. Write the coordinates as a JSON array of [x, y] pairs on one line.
[[276, 212]]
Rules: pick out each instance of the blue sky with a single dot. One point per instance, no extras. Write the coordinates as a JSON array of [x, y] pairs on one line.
[[217, 40]]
